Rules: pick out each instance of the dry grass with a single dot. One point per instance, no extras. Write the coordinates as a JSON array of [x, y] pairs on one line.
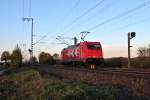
[[28, 84]]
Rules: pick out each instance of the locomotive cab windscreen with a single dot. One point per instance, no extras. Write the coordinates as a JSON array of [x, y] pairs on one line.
[[94, 46]]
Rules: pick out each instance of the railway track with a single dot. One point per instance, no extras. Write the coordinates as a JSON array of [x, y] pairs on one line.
[[126, 71]]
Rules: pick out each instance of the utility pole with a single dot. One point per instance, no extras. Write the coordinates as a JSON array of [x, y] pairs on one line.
[[30, 50], [130, 36]]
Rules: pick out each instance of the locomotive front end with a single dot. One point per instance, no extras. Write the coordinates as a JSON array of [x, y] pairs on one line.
[[94, 53]]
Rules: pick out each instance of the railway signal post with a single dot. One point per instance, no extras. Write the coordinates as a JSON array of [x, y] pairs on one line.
[[130, 36]]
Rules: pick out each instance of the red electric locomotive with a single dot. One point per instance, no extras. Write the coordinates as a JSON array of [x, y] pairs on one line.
[[84, 52]]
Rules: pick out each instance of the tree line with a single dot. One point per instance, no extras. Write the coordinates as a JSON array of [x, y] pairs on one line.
[[15, 59], [141, 61]]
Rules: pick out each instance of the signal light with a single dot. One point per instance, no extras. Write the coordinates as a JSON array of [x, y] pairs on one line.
[[29, 50], [133, 34]]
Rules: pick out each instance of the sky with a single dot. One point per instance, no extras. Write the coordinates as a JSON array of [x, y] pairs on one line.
[[108, 22]]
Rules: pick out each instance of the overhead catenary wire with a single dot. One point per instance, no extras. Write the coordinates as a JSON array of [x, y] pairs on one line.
[[22, 8], [131, 24], [40, 39], [30, 4], [124, 18], [107, 6], [126, 13], [62, 40], [22, 16], [71, 10], [120, 15], [85, 13]]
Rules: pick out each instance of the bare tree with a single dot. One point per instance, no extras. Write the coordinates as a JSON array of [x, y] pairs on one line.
[[16, 57], [5, 57], [144, 57], [142, 52]]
